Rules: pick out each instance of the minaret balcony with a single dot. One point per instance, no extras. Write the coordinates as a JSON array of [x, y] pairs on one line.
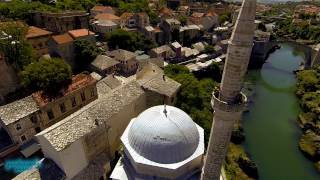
[[237, 106]]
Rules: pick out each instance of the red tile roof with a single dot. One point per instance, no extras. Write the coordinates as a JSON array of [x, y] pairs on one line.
[[79, 81], [80, 33], [106, 16], [166, 11], [62, 39], [101, 8], [37, 32], [211, 14], [126, 15]]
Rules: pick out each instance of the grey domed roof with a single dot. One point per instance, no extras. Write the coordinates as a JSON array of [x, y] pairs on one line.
[[164, 138]]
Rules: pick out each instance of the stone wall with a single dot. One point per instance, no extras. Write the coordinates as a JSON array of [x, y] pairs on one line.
[[67, 100], [9, 79], [40, 45], [27, 129]]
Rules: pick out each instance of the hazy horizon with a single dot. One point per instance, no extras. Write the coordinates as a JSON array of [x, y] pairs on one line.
[[271, 1]]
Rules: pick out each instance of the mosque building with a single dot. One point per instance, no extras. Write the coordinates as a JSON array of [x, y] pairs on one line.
[[162, 142]]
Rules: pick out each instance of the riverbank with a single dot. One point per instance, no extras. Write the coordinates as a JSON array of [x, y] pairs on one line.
[[308, 88]]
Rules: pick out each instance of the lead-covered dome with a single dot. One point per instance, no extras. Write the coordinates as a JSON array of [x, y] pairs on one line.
[[164, 135]]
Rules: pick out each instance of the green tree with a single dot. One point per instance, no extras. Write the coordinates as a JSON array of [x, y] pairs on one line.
[[17, 51], [19, 9], [154, 18], [86, 52], [183, 20], [224, 17], [307, 81], [131, 41], [209, 49], [49, 75], [173, 70], [134, 6]]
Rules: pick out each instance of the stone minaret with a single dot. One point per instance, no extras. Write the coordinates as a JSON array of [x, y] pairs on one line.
[[228, 103]]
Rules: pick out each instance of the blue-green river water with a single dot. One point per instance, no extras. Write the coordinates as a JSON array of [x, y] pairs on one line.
[[271, 128]]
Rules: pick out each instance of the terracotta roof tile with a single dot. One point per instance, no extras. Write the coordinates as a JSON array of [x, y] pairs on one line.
[[101, 8], [62, 39], [80, 33], [126, 15], [106, 16], [37, 32], [79, 81], [166, 11]]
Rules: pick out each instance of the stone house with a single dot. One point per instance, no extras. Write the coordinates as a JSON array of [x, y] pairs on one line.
[[128, 62], [80, 92], [98, 9], [26, 117], [189, 33], [39, 39], [102, 27], [155, 34], [104, 65], [62, 45], [84, 143], [177, 48], [20, 120], [134, 20], [165, 13], [205, 20], [61, 22], [164, 52], [170, 28], [108, 17]]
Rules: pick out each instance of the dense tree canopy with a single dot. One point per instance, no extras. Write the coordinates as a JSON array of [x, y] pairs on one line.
[[85, 52], [308, 88], [195, 95], [20, 9], [209, 49], [131, 41], [49, 75], [302, 30], [225, 17], [17, 51]]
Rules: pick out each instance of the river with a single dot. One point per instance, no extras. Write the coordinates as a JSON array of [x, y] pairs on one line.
[[271, 128]]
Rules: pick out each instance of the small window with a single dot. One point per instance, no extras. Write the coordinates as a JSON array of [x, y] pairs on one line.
[[73, 102], [18, 127], [62, 107], [50, 114], [23, 138], [83, 96], [33, 119], [37, 129], [92, 92]]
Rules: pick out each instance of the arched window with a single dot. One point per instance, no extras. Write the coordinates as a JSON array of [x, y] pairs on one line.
[[18, 127]]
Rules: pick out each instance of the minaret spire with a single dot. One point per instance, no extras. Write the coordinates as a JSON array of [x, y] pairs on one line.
[[228, 103]]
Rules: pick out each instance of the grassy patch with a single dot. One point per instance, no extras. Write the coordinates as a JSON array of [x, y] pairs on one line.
[[232, 168]]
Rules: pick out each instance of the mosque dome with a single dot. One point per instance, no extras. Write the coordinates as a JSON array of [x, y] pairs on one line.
[[164, 134]]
